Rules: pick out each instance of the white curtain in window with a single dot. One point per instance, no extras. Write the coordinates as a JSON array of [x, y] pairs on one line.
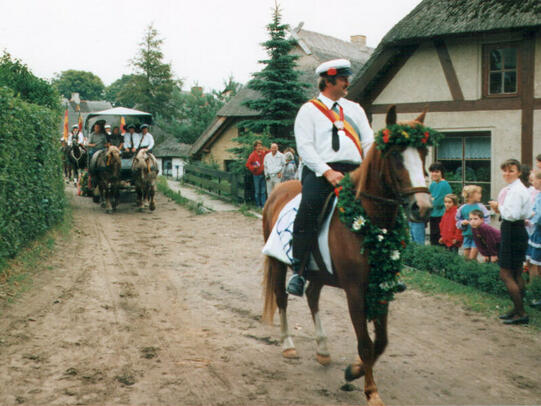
[[450, 148], [477, 148]]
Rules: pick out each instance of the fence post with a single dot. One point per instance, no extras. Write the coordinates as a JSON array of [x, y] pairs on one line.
[[234, 188]]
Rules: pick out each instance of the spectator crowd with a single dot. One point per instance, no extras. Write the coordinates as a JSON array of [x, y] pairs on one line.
[[515, 245]]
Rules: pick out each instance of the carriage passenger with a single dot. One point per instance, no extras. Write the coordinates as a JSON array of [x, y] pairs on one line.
[[332, 136], [115, 138], [98, 139], [147, 140], [131, 140]]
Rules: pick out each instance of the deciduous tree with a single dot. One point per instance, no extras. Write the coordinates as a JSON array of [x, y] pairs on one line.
[[88, 85]]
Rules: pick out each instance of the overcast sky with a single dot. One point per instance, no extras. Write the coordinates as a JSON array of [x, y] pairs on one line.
[[204, 40]]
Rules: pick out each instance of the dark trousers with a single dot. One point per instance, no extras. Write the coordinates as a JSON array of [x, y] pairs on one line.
[[260, 190], [435, 230], [315, 191]]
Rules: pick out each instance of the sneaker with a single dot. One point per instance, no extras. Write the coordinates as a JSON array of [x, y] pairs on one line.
[[295, 285]]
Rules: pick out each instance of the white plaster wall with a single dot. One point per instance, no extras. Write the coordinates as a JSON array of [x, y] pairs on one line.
[[505, 127], [176, 161], [536, 134], [537, 76], [466, 56], [421, 79]]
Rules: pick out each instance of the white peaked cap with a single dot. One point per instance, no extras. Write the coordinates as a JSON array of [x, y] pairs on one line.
[[340, 66]]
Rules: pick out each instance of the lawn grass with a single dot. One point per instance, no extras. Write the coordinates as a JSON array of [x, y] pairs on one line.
[[196, 207], [470, 298], [16, 274]]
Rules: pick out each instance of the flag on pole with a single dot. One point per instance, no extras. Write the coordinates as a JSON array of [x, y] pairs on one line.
[[80, 122], [122, 125], [66, 128]]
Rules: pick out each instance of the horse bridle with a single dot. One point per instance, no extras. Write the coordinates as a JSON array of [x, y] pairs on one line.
[[401, 195]]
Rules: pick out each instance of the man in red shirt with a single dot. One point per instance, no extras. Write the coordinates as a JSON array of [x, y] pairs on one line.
[[256, 167]]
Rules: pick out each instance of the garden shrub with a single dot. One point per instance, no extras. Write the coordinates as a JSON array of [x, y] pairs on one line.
[[31, 187], [437, 260]]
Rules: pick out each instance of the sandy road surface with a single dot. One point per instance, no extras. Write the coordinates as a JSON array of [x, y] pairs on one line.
[[163, 308]]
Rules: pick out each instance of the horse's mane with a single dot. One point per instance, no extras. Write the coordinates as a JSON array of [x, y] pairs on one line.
[[360, 176]]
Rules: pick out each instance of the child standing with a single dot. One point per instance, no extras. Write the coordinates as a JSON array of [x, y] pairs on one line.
[[439, 188], [514, 206], [487, 239], [451, 236], [472, 196], [533, 254]]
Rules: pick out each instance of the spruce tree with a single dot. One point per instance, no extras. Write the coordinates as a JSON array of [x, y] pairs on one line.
[[278, 84]]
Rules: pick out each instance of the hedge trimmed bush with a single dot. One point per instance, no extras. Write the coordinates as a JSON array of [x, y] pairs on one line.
[[31, 186], [439, 261]]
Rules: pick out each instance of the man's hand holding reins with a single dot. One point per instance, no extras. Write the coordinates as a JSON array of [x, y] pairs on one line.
[[333, 177]]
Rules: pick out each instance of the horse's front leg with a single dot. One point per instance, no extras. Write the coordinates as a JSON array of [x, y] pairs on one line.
[[103, 192], [140, 194], [108, 192], [312, 295], [280, 270], [365, 346], [116, 194]]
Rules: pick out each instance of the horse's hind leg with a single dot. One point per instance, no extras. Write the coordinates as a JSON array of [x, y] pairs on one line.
[[280, 271], [152, 205], [312, 295]]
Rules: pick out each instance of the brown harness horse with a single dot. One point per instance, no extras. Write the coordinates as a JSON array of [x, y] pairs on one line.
[[108, 177], [383, 182]]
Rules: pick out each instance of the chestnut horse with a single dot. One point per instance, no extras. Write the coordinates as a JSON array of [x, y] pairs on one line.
[[383, 182], [145, 171]]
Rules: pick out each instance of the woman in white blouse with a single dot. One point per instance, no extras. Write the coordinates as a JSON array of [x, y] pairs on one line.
[[514, 206]]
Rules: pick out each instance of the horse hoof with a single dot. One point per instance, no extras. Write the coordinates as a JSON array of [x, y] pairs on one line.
[[375, 400], [109, 211], [290, 353], [152, 207], [353, 372], [323, 359], [102, 205]]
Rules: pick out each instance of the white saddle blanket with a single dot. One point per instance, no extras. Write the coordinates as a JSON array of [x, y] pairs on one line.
[[279, 243]]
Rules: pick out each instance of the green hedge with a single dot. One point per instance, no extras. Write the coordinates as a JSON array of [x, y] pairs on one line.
[[31, 186], [439, 261]]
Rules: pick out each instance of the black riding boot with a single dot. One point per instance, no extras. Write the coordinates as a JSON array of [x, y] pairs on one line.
[[302, 244]]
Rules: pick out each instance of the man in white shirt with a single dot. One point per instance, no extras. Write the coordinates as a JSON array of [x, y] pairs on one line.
[[146, 139], [76, 134], [332, 136], [131, 140], [273, 163]]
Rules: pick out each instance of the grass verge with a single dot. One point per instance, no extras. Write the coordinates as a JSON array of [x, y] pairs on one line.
[[470, 298], [196, 207], [16, 274]]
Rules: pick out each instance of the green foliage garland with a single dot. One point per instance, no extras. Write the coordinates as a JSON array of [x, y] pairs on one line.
[[384, 248], [405, 135]]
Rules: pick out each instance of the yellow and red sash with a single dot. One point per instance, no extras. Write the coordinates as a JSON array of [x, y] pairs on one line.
[[333, 116]]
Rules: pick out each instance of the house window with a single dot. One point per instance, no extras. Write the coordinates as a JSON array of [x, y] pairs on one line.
[[501, 67], [167, 166], [466, 158]]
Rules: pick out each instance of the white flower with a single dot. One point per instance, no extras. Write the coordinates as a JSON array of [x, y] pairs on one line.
[[380, 237], [384, 230], [358, 223], [395, 255]]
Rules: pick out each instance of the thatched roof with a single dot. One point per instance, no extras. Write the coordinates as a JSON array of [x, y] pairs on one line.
[[171, 148], [435, 19]]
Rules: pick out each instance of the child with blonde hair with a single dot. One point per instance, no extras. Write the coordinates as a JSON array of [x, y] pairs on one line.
[[472, 198]]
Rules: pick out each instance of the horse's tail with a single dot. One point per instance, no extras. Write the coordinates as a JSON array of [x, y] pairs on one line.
[[269, 281]]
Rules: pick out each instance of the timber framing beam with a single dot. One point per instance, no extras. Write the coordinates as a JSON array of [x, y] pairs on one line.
[[449, 70], [527, 97]]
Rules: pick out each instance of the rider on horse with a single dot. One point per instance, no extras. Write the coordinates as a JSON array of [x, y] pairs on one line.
[[332, 135]]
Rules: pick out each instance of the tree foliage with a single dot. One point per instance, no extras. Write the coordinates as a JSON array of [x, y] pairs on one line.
[[193, 112], [112, 92], [16, 76], [151, 87], [278, 84], [88, 85]]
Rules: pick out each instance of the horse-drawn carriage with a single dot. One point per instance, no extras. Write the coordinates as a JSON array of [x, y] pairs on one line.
[[115, 170]]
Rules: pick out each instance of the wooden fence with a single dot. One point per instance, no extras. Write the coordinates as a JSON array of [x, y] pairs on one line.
[[224, 184]]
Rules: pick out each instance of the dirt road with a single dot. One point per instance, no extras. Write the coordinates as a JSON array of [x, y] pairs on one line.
[[163, 308]]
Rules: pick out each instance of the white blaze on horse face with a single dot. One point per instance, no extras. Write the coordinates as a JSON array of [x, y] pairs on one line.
[[414, 165]]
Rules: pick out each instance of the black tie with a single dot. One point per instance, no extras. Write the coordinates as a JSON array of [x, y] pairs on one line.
[[335, 138]]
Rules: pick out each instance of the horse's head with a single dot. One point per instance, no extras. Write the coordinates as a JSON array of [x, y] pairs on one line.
[[113, 156], [404, 147]]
